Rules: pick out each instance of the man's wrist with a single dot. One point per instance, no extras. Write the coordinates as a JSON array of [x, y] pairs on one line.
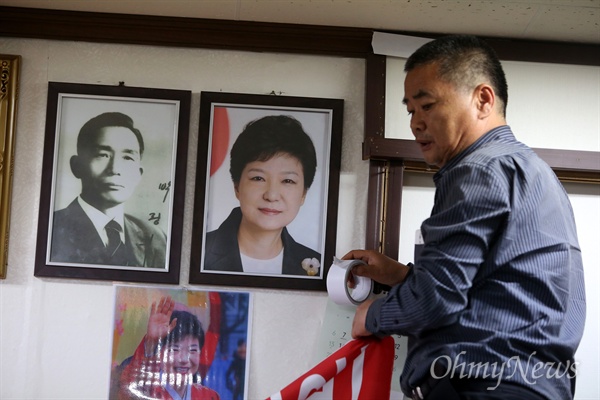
[[407, 270], [372, 317]]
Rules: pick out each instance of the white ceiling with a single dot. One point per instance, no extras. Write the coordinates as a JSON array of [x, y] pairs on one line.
[[555, 20]]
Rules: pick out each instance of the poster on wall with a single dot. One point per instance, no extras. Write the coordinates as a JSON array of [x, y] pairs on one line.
[[113, 183], [265, 210], [180, 344]]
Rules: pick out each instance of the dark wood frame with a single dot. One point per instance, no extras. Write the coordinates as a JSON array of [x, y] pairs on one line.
[[249, 36], [278, 105], [169, 275], [305, 39]]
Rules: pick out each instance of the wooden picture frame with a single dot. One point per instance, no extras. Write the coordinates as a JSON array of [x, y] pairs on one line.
[[308, 231], [98, 167], [9, 89]]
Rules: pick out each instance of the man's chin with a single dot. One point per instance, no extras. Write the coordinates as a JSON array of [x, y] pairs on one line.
[[115, 199], [107, 204], [430, 162]]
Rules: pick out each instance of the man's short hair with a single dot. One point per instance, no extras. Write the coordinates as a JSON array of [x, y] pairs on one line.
[[465, 61], [91, 128], [269, 136]]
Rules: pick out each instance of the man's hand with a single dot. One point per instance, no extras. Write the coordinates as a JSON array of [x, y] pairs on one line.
[[379, 267], [360, 318]]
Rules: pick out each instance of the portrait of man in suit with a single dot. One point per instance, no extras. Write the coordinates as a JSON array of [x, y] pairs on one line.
[[94, 228]]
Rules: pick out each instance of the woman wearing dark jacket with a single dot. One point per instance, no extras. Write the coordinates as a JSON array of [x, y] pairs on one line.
[[273, 164]]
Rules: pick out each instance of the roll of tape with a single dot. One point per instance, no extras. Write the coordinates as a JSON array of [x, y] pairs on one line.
[[337, 283]]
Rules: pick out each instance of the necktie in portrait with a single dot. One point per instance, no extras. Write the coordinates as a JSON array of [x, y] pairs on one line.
[[115, 247]]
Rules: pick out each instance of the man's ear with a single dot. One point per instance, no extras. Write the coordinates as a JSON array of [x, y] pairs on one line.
[[75, 164], [486, 100]]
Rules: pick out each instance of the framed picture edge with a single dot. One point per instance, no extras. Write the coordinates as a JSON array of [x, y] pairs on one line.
[[207, 98], [118, 273], [9, 93]]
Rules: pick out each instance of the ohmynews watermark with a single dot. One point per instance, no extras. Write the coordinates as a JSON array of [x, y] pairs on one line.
[[529, 370]]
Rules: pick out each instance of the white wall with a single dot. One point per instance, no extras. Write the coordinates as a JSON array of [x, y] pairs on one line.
[[554, 106], [55, 335]]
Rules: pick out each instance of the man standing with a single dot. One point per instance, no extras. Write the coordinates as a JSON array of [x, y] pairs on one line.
[[94, 229], [494, 307]]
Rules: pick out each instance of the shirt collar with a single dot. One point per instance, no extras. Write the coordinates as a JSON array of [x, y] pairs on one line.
[[99, 219], [500, 133]]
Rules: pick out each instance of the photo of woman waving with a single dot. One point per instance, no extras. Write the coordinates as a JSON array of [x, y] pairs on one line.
[[272, 167], [167, 360]]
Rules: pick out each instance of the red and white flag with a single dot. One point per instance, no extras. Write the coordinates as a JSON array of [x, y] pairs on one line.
[[360, 370]]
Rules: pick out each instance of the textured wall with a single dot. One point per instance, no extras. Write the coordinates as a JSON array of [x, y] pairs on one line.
[[56, 334]]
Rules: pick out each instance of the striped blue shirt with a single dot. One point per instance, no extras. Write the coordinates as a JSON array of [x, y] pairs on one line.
[[497, 292]]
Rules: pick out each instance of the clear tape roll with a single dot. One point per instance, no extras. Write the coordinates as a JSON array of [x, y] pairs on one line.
[[337, 283]]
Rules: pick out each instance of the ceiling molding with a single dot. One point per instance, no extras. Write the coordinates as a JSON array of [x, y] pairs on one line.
[[249, 36]]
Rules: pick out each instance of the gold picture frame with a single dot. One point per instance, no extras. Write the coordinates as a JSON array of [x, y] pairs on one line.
[[9, 90]]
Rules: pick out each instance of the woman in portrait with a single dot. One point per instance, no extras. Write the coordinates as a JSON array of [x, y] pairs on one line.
[[273, 164], [166, 363]]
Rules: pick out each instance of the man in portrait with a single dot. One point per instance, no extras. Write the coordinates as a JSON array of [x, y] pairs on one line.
[[94, 228]]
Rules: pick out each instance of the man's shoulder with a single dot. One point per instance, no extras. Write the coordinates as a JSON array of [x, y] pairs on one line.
[[495, 151], [507, 159], [70, 217], [72, 209], [139, 225]]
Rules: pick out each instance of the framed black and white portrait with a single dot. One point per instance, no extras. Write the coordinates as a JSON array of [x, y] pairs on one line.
[[265, 210], [113, 183]]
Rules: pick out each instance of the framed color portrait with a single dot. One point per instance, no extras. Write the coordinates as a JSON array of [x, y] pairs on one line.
[[180, 344], [265, 210], [113, 183]]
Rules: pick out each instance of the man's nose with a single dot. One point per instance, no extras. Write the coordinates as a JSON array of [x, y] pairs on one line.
[[416, 123], [114, 166]]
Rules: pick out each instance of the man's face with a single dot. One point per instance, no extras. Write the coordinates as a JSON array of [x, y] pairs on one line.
[[111, 168], [442, 116], [271, 192]]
